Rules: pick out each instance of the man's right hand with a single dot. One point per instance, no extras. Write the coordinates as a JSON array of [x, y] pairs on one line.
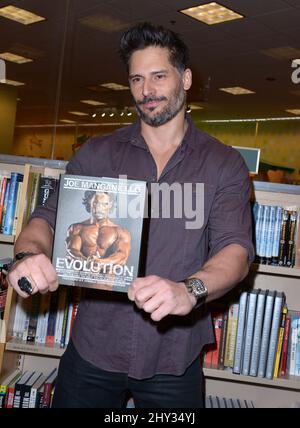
[[38, 270]]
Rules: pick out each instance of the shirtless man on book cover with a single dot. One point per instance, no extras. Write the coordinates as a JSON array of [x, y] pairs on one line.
[[98, 239]]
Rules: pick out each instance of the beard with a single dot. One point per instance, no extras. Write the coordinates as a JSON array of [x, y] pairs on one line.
[[175, 103]]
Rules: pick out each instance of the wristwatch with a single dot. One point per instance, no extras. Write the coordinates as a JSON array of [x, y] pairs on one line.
[[197, 288]]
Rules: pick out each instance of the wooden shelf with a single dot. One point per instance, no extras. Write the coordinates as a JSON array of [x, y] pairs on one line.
[[284, 383], [7, 238], [33, 348], [275, 270]]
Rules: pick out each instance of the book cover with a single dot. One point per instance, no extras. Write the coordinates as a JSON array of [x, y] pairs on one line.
[[285, 344], [15, 178], [233, 313], [98, 231], [280, 341]]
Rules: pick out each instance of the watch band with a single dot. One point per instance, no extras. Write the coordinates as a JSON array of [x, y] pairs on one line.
[[21, 255]]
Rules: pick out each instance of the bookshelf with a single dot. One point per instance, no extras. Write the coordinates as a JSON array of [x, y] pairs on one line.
[[263, 392]]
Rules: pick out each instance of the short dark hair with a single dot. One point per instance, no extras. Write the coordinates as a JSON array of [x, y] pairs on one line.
[[146, 34], [88, 196]]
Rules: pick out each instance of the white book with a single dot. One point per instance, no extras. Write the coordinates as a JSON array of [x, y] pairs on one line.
[[294, 341], [238, 355], [274, 334], [260, 310], [266, 333], [42, 323], [250, 320]]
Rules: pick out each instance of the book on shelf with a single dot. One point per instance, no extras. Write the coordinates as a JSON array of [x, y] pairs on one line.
[[294, 333], [9, 399], [238, 355], [274, 334], [280, 341], [262, 363], [233, 312], [48, 386], [257, 333], [249, 328], [8, 223], [27, 389], [20, 388], [285, 344], [98, 231]]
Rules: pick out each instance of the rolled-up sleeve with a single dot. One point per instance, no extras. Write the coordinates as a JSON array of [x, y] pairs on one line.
[[230, 219]]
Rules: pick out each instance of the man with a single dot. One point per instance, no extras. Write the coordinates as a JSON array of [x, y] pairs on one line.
[[150, 344], [98, 238]]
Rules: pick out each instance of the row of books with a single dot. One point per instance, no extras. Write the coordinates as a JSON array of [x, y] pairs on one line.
[[216, 402], [48, 318], [39, 189], [256, 336], [31, 389], [275, 234]]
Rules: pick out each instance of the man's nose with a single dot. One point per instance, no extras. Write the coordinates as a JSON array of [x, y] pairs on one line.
[[148, 88]]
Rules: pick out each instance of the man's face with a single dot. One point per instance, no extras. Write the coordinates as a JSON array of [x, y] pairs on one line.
[[158, 88], [100, 206]]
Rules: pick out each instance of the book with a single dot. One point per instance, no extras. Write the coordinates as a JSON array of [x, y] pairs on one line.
[[34, 399], [249, 329], [48, 386], [280, 341], [15, 178], [274, 333], [285, 344], [11, 391], [238, 355], [98, 231], [265, 339], [233, 313], [257, 334]]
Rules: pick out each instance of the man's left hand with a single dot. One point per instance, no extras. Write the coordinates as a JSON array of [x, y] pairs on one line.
[[161, 297]]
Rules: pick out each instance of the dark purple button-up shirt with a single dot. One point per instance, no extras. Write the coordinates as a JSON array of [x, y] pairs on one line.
[[110, 331]]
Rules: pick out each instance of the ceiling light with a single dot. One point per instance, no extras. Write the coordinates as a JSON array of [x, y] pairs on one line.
[[237, 90], [78, 113], [189, 110], [67, 121], [20, 15], [103, 114], [122, 114], [111, 114], [211, 13], [93, 102], [11, 82], [115, 86], [94, 115], [294, 111], [18, 59]]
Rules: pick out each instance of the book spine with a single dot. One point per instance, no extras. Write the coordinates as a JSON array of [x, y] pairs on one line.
[[2, 197], [11, 203], [291, 239], [294, 340], [280, 341], [285, 344], [266, 334], [276, 240], [218, 321], [251, 310], [270, 234], [33, 318], [297, 365], [5, 204], [238, 356], [231, 334], [276, 319], [261, 299], [282, 242]]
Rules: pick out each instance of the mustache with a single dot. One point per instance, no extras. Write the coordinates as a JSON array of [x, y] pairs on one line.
[[146, 100]]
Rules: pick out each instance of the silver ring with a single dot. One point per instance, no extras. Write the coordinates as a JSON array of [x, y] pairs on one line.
[[25, 285]]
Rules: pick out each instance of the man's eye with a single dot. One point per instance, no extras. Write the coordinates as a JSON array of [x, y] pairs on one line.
[[160, 76]]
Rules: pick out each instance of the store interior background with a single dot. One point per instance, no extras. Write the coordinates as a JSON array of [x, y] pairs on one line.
[[73, 51]]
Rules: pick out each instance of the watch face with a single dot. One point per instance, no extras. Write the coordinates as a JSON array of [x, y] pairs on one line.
[[197, 288]]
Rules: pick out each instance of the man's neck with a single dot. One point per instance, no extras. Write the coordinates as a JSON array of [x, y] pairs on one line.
[[166, 137]]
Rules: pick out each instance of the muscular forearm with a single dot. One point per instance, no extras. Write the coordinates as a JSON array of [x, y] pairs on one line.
[[36, 237], [223, 271]]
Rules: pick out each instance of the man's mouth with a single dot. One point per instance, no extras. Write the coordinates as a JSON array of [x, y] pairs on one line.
[[151, 103]]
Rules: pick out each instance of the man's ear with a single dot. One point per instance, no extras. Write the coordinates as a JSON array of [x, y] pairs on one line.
[[187, 79]]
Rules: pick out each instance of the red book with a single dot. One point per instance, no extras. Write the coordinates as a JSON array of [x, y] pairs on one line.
[[48, 386], [218, 322], [285, 345]]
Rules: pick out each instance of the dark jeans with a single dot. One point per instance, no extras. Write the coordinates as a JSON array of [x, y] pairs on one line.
[[81, 385]]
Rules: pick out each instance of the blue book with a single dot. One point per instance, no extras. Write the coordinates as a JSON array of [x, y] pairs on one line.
[[276, 240], [270, 234], [15, 178]]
